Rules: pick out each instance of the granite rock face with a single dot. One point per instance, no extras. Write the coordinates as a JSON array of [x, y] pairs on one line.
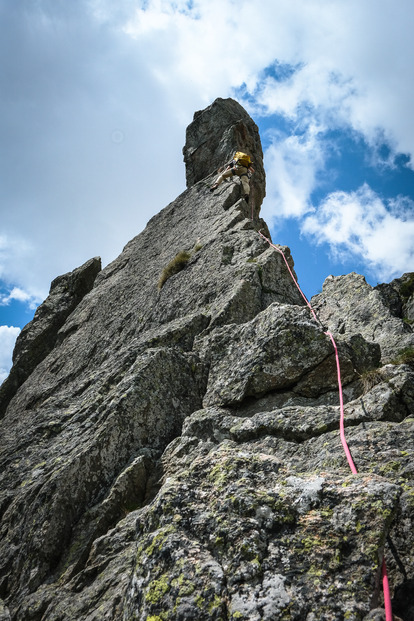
[[172, 450], [212, 139], [379, 315], [38, 337]]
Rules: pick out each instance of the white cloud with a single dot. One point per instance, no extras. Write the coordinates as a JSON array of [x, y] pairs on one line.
[[362, 225], [71, 189], [353, 57], [292, 166], [314, 91], [355, 67], [19, 295], [16, 252], [96, 96], [8, 335], [343, 57]]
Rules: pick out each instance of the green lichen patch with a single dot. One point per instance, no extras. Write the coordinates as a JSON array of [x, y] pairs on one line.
[[250, 533], [157, 541], [157, 589]]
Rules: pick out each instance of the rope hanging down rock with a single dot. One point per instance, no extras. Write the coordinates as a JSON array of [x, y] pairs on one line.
[[385, 585]]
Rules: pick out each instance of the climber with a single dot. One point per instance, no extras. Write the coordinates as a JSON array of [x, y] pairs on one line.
[[241, 166]]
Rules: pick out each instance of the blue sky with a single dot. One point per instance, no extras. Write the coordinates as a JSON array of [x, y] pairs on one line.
[[95, 97]]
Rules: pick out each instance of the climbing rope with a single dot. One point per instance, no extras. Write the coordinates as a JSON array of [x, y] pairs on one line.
[[291, 274], [341, 408], [385, 585]]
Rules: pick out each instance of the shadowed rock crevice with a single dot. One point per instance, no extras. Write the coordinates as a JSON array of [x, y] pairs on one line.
[[135, 487]]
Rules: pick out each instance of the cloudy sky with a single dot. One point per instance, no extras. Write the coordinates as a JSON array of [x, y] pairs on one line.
[[95, 96]]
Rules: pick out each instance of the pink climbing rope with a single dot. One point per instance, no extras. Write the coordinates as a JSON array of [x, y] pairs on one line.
[[341, 409], [385, 584], [341, 400], [291, 273], [386, 590]]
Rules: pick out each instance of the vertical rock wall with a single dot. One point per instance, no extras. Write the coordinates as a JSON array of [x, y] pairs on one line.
[[213, 137]]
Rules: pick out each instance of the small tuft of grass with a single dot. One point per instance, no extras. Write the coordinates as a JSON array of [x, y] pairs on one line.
[[371, 378], [405, 356], [175, 266]]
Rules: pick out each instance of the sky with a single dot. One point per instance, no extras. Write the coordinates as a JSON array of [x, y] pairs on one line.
[[95, 97]]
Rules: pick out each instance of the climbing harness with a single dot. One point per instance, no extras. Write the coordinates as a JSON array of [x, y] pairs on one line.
[[231, 169], [384, 575]]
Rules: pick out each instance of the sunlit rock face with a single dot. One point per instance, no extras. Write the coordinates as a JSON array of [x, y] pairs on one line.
[[213, 137], [170, 435]]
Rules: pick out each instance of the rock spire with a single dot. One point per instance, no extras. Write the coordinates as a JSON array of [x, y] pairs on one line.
[[169, 432]]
